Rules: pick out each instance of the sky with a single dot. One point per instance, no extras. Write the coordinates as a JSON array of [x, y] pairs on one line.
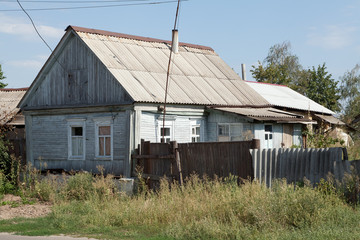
[[239, 31]]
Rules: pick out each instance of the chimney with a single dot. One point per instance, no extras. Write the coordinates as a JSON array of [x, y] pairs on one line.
[[175, 41], [243, 71]]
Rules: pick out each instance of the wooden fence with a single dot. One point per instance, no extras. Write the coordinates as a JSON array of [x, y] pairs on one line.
[[179, 161], [295, 164], [217, 158], [17, 144]]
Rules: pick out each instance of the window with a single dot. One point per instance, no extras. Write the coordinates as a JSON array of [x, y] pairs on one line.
[[104, 139], [233, 132], [167, 130], [268, 136], [223, 132], [76, 139], [195, 131]]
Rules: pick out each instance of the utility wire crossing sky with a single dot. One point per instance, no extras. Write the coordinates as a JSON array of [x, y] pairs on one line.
[[240, 32]]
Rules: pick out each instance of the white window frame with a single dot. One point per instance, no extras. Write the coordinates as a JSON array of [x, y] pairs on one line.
[[76, 123], [195, 123], [100, 122], [168, 124], [269, 134]]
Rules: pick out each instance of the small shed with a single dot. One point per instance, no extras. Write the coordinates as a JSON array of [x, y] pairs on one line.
[[12, 121]]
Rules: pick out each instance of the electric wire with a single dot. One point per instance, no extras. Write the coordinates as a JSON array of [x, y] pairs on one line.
[[32, 22], [90, 7], [53, 54], [75, 2]]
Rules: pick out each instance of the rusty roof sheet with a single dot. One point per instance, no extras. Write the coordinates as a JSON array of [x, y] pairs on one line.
[[330, 119], [283, 96], [198, 75], [9, 99], [262, 113]]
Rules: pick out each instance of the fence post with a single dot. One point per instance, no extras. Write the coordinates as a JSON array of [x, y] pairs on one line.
[[255, 143], [345, 154], [177, 159]]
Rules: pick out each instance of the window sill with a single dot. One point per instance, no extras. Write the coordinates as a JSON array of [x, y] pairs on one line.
[[76, 158], [103, 158]]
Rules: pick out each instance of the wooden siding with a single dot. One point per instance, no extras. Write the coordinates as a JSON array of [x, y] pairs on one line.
[[148, 127], [49, 142], [288, 135], [81, 79], [277, 136]]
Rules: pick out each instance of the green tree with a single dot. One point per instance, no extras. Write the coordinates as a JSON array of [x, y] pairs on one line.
[[322, 88], [2, 77], [350, 94], [280, 67]]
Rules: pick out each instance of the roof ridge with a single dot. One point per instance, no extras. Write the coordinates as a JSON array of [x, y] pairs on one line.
[[134, 37], [14, 89], [267, 83]]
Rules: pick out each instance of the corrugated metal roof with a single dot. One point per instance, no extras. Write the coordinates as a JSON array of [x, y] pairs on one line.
[[9, 98], [283, 96], [198, 74], [264, 114], [330, 119]]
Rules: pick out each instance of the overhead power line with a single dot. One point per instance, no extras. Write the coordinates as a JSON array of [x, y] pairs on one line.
[[88, 7], [64, 1], [32, 22]]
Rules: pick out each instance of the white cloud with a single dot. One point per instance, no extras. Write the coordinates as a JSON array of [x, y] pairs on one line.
[[24, 28], [331, 36]]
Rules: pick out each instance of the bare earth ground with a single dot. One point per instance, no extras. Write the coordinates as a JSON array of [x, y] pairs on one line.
[[27, 211]]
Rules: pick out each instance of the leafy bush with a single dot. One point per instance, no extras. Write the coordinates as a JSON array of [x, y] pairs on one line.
[[350, 186], [9, 168], [319, 138], [79, 187]]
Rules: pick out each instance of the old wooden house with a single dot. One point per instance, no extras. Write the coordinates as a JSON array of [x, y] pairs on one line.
[[101, 92], [284, 98]]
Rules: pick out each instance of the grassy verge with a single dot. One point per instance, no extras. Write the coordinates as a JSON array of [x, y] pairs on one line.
[[201, 209]]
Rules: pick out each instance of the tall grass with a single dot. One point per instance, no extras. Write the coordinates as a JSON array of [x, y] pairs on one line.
[[200, 209]]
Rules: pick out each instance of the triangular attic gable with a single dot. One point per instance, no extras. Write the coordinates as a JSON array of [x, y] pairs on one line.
[[74, 76]]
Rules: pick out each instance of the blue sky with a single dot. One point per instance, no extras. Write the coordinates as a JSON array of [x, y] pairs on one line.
[[239, 31]]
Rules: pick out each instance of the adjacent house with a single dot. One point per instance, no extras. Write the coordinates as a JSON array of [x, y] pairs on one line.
[[101, 92], [284, 98], [12, 121]]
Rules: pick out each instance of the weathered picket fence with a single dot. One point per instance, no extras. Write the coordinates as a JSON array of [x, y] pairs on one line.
[[295, 164]]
